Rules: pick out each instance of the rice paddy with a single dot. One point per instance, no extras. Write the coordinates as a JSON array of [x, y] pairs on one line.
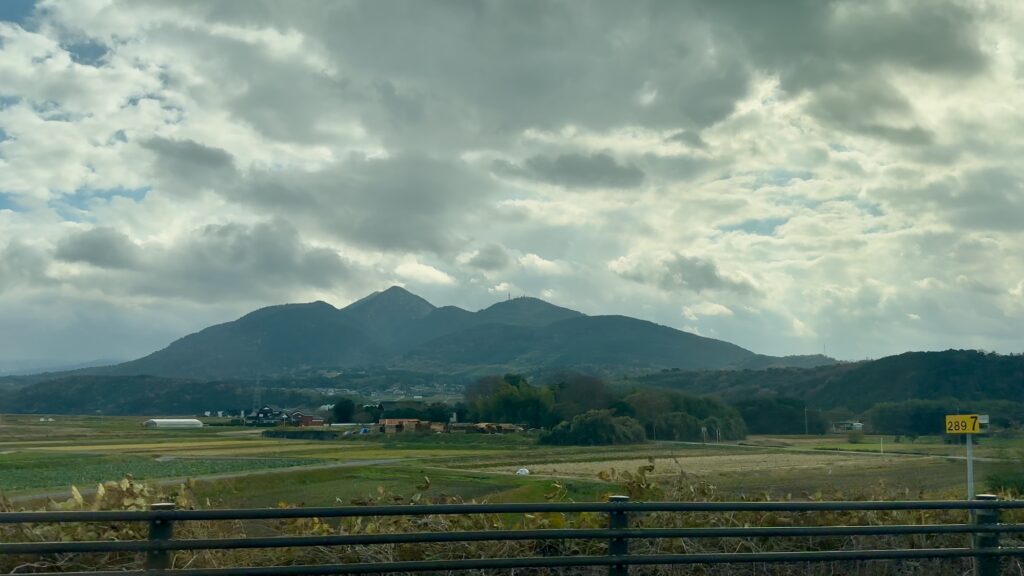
[[39, 458], [703, 465]]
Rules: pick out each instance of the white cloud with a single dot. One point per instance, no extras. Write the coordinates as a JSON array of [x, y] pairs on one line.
[[422, 273], [667, 158], [694, 312], [536, 264]]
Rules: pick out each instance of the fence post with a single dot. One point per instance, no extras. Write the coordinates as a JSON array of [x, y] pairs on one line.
[[618, 520], [160, 529], [986, 565]]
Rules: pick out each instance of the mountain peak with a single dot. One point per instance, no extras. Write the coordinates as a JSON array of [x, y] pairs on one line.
[[388, 308], [393, 296], [526, 311], [395, 328]]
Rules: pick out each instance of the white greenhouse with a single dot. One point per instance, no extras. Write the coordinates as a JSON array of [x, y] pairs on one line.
[[172, 423]]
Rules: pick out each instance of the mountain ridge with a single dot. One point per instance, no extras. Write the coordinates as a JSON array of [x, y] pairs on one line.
[[395, 328]]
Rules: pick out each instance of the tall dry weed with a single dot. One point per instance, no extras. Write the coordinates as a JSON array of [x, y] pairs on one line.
[[638, 484]]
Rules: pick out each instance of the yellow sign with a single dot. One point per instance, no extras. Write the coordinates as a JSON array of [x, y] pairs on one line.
[[963, 424]]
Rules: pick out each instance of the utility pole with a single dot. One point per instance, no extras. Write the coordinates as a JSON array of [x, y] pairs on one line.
[[806, 429]]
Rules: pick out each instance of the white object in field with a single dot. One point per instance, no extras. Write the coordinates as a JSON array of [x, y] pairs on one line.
[[523, 472], [172, 423]]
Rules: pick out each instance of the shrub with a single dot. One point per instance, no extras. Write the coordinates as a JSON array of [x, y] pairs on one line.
[[855, 436], [1009, 479], [596, 427]]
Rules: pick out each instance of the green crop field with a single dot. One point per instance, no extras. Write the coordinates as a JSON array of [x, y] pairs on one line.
[[46, 458], [24, 471]]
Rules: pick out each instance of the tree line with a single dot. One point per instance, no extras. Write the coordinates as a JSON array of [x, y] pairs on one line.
[[585, 410], [581, 409]]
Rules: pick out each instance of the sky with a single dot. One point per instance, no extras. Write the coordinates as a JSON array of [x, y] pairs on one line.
[[794, 177]]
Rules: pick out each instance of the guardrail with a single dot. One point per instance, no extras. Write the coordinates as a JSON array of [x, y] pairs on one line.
[[985, 530]]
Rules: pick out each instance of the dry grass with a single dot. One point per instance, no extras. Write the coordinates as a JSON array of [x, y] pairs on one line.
[[700, 464]]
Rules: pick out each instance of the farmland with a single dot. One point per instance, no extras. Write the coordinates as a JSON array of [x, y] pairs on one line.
[[238, 467], [24, 471]]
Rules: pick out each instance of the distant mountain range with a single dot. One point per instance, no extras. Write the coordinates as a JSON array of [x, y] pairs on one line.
[[35, 366], [394, 337], [397, 329]]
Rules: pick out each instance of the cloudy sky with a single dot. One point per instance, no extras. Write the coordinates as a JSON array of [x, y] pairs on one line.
[[789, 176]]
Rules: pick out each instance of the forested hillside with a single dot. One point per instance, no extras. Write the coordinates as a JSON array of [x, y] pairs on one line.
[[961, 374], [395, 329], [150, 395]]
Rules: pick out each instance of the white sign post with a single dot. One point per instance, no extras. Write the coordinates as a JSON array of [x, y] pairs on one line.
[[970, 467]]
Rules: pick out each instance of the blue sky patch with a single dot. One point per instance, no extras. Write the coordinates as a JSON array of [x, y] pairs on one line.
[[76, 207], [781, 177], [760, 227], [16, 11], [88, 52], [7, 203], [51, 112], [870, 208], [82, 197]]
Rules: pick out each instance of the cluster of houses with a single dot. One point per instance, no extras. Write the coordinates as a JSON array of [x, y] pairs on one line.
[[267, 416], [400, 425]]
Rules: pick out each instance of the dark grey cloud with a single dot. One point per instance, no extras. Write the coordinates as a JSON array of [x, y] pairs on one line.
[[241, 261], [984, 199], [688, 137], [185, 166], [420, 74], [102, 246], [263, 262], [814, 43], [867, 108], [406, 202], [490, 257], [679, 272], [21, 263], [427, 75], [843, 53], [598, 170]]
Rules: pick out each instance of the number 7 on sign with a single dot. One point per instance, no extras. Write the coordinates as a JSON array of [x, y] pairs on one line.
[[963, 424]]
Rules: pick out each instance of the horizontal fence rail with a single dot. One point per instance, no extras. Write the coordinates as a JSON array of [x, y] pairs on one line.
[[985, 530], [462, 509]]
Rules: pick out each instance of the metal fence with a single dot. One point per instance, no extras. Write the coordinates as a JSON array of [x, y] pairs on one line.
[[984, 529]]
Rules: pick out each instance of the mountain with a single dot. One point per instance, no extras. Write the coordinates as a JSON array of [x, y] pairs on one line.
[[967, 375], [36, 366], [268, 341], [526, 311], [384, 315], [397, 329], [579, 341], [149, 395]]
